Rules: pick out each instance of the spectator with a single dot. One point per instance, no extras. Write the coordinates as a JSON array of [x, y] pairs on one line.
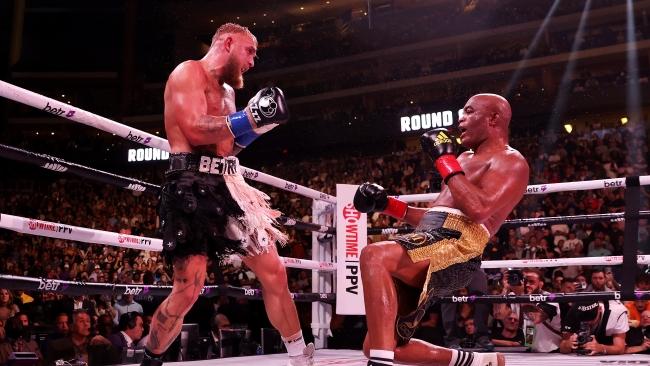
[[78, 302], [513, 284], [545, 318], [469, 334], [126, 305], [511, 334], [598, 249], [639, 339], [219, 321], [105, 325], [598, 281], [18, 339], [80, 345], [451, 312], [126, 341], [146, 324], [7, 306], [62, 328]]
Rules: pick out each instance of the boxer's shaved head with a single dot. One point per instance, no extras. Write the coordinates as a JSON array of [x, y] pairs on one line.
[[497, 106], [484, 116]]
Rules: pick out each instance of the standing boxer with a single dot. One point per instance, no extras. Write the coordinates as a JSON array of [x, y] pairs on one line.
[[207, 209]]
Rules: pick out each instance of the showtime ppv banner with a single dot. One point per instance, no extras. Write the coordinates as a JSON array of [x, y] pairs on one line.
[[351, 237]]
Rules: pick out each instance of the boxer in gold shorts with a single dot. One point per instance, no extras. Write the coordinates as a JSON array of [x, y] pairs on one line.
[[481, 187]]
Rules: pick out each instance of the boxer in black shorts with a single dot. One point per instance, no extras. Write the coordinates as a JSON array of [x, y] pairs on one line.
[[207, 209]]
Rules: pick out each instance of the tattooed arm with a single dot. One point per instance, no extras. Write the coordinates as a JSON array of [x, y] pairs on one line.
[[186, 107]]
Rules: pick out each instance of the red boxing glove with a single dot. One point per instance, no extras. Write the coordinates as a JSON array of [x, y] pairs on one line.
[[448, 166], [396, 208]]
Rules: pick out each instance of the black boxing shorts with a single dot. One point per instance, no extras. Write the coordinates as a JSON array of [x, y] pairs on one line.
[[453, 244], [207, 208]]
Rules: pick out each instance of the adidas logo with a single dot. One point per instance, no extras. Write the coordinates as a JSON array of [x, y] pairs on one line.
[[442, 138]]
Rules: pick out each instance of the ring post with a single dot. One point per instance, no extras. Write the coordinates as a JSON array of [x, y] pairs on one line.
[[322, 250], [631, 235]]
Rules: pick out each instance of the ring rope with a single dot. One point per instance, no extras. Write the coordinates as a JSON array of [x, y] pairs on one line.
[[84, 288], [62, 231], [531, 222], [644, 180], [59, 165], [79, 115], [62, 166]]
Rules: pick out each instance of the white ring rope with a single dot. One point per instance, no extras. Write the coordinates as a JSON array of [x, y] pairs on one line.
[[546, 188], [62, 231], [560, 262], [79, 115]]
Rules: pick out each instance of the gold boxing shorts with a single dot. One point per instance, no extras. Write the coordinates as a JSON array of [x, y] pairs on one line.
[[453, 245]]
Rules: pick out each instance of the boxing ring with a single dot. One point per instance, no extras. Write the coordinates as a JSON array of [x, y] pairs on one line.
[[323, 226]]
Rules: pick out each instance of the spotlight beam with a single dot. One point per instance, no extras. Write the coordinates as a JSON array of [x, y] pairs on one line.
[[514, 79], [564, 89]]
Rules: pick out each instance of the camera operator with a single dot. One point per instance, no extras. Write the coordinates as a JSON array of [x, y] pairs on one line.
[[596, 328], [638, 339], [512, 283]]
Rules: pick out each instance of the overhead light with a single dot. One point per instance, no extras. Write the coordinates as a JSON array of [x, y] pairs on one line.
[[62, 95], [237, 18], [624, 120], [327, 2], [568, 128], [211, 20], [254, 23], [157, 132], [302, 8], [37, 132], [364, 13], [411, 102], [272, 21], [264, 14], [52, 133]]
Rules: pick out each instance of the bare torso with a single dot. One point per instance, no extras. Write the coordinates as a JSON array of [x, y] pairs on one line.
[[475, 166], [219, 99]]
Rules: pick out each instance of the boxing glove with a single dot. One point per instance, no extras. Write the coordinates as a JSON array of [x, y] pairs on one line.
[[371, 197], [250, 136], [442, 148], [267, 107]]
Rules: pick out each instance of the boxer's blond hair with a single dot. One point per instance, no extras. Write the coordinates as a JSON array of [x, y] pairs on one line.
[[231, 28]]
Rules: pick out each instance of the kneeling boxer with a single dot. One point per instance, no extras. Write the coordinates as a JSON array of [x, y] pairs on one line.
[[481, 187]]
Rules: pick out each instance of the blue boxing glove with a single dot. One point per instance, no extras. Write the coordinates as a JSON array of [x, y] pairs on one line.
[[264, 111]]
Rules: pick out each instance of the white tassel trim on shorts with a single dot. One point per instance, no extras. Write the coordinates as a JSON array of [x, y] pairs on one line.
[[259, 218]]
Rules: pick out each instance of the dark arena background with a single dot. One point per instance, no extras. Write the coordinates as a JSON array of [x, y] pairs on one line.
[[83, 149]]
